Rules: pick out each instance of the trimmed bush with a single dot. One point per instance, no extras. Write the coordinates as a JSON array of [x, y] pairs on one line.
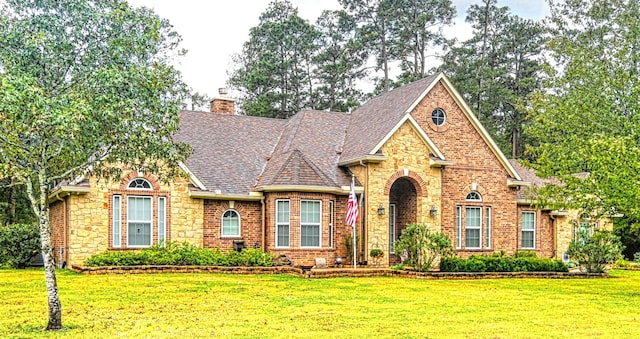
[[483, 263], [181, 254], [19, 243]]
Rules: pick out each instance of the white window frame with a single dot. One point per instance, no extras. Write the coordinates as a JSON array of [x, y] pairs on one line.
[[162, 221], [331, 224], [474, 227], [150, 221], [532, 230], [487, 228], [286, 223], [473, 196], [392, 228], [222, 219], [312, 224], [140, 188], [458, 227], [116, 222]]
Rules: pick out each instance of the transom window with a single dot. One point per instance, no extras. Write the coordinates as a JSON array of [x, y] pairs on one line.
[[474, 196], [139, 184], [231, 224], [438, 117]]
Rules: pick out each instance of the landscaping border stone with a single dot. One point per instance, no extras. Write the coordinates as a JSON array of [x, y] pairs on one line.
[[331, 272]]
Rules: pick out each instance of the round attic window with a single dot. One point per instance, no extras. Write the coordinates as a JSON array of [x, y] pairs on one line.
[[438, 116]]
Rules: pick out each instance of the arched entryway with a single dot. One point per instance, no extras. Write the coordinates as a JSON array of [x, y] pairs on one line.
[[403, 205]]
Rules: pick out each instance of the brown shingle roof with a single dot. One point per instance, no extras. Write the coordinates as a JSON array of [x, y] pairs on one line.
[[375, 119], [312, 140], [229, 151], [529, 175]]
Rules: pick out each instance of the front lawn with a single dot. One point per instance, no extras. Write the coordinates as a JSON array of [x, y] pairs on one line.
[[216, 305]]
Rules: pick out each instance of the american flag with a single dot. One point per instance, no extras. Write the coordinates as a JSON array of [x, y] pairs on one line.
[[352, 206]]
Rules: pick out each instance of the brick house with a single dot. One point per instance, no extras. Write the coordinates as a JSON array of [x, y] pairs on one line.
[[418, 154]]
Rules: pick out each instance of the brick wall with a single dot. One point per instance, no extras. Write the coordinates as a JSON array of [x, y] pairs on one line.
[[250, 223], [57, 221], [307, 256], [474, 162]]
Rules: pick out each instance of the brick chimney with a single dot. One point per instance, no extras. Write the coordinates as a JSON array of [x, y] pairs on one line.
[[223, 104]]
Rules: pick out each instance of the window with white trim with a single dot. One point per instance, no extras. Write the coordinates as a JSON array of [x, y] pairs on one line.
[[458, 227], [487, 227], [473, 227], [139, 184], [139, 212], [310, 219], [116, 221], [331, 227], [473, 196], [231, 223], [283, 223], [162, 221], [528, 230]]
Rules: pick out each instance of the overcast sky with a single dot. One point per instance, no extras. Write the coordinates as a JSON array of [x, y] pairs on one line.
[[213, 31]]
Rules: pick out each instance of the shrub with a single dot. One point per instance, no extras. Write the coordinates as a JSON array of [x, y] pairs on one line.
[[423, 246], [181, 254], [19, 243], [636, 257], [499, 263], [593, 253]]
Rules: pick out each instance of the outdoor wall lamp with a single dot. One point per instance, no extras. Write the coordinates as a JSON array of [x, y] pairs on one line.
[[381, 210], [433, 211]]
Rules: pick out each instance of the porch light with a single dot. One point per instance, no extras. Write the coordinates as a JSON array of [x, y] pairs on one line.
[[381, 210], [433, 211]]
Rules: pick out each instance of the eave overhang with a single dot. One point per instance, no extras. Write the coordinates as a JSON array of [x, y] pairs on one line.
[[343, 190], [63, 191], [440, 162], [367, 159], [517, 183], [252, 196]]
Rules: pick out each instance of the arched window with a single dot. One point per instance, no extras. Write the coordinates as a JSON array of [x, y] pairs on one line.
[[139, 184], [230, 224], [474, 196]]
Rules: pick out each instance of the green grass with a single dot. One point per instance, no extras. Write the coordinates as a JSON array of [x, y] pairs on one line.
[[281, 306]]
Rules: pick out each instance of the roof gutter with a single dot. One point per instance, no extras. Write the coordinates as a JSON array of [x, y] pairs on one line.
[[516, 183], [63, 191], [252, 196], [372, 159], [309, 188]]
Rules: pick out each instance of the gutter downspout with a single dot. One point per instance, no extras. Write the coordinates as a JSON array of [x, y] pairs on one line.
[[264, 225]]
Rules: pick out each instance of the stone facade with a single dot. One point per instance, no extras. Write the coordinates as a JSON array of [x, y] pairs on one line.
[[88, 227]]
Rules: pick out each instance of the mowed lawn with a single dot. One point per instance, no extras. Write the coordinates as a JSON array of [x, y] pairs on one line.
[[281, 306]]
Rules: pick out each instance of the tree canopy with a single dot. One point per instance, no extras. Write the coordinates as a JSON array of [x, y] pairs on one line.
[[84, 85], [587, 116]]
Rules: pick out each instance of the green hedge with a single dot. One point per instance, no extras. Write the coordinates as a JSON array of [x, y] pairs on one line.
[[181, 254], [477, 263], [19, 243]]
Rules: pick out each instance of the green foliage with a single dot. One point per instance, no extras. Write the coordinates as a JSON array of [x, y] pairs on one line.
[[181, 254], [628, 230], [594, 252], [587, 116], [84, 84], [273, 70], [500, 263], [19, 243], [497, 70], [376, 253], [423, 246], [636, 257]]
